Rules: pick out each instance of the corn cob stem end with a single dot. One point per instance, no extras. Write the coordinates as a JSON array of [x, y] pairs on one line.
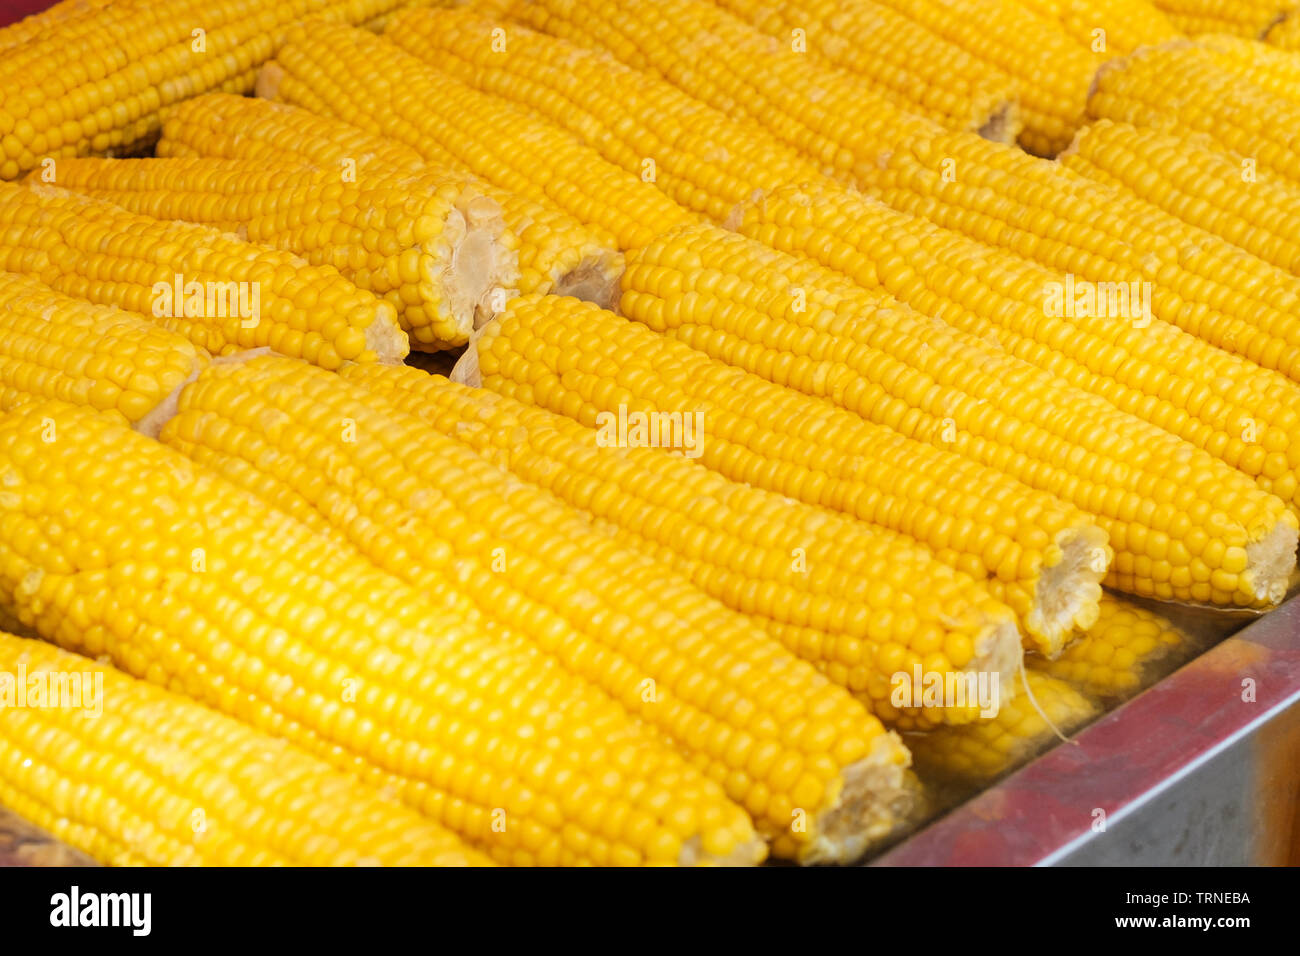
[[1067, 594], [1272, 559], [594, 280], [874, 799]]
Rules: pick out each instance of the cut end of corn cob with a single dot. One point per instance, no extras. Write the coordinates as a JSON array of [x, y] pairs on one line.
[[1003, 124], [595, 279], [479, 265], [1069, 587], [874, 797], [1270, 559]]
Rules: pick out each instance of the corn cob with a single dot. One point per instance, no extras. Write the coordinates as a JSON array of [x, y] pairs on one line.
[[221, 293], [330, 70], [181, 578], [701, 158], [836, 118], [55, 346], [793, 322], [1197, 281], [557, 254], [1044, 563], [832, 604], [1192, 178], [1181, 87], [1051, 70], [1109, 27], [211, 422], [1144, 367], [1118, 246], [1128, 649], [135, 775], [1243, 18], [432, 244], [919, 71], [699, 673], [976, 754], [1268, 67], [1285, 33], [104, 76]]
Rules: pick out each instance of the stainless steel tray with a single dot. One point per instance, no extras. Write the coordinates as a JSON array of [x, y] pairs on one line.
[[1203, 768]]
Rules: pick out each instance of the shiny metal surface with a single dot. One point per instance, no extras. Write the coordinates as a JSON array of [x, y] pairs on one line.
[[1203, 768]]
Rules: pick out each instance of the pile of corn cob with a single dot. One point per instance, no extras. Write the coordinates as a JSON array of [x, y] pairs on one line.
[[816, 366]]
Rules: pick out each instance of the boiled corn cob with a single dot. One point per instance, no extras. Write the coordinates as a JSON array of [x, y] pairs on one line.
[[918, 70], [557, 253], [1269, 67], [1033, 208], [834, 117], [1233, 410], [55, 346], [432, 244], [793, 322], [113, 544], [1067, 239], [976, 754], [698, 156], [135, 775], [824, 585], [1044, 562], [330, 70], [219, 292], [1192, 178], [1243, 18], [783, 740], [1052, 70], [1181, 87], [98, 79], [1128, 649], [1108, 27]]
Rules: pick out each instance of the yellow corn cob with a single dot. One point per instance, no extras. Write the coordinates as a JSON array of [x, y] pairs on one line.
[[68, 18], [744, 451], [918, 70], [1044, 563], [1191, 177], [1233, 411], [701, 158], [824, 585], [1244, 18], [793, 322], [975, 754], [1107, 27], [1128, 649], [1181, 87], [1268, 67], [1111, 246], [55, 346], [330, 70], [1285, 33], [1052, 71], [557, 253], [432, 244], [838, 119], [113, 544], [98, 80], [783, 740], [219, 292], [133, 774]]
